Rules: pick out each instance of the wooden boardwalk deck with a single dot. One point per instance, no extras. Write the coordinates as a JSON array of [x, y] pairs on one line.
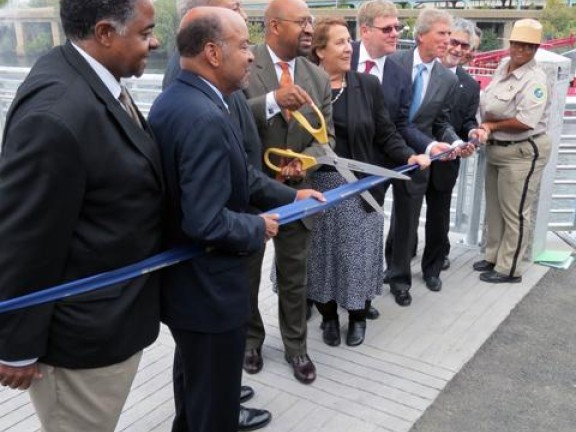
[[408, 357]]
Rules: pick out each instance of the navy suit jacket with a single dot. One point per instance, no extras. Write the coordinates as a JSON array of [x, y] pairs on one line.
[[397, 89], [209, 188], [462, 119]]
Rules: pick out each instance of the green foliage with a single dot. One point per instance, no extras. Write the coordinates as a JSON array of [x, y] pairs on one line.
[[3, 2], [557, 19], [490, 41], [256, 32], [43, 3], [166, 25], [39, 44]]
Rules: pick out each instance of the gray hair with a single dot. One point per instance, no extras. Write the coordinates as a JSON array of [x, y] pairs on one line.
[[183, 6], [464, 26], [370, 10], [427, 18]]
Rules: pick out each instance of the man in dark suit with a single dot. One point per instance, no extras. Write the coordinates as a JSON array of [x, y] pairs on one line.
[[432, 95], [81, 192], [283, 81], [250, 418], [379, 29], [443, 176], [205, 302]]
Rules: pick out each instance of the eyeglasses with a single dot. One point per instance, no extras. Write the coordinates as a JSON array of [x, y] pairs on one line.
[[388, 29], [302, 22], [455, 42]]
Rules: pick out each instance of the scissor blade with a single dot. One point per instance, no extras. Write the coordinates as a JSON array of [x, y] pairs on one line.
[[363, 167]]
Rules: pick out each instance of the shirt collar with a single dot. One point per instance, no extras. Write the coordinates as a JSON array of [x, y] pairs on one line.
[[103, 73], [363, 56], [276, 59], [218, 92], [418, 61]]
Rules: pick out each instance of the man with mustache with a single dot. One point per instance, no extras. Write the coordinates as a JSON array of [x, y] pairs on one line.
[[282, 81]]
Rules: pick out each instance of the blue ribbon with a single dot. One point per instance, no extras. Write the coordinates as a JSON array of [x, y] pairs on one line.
[[288, 213]]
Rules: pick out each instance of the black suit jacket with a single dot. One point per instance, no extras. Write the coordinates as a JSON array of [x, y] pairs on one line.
[[209, 188], [80, 193], [463, 119], [397, 89], [372, 137]]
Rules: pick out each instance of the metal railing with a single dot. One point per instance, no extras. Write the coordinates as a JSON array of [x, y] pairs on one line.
[[468, 199]]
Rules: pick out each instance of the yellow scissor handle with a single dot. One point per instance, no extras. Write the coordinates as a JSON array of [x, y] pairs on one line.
[[320, 134], [306, 160]]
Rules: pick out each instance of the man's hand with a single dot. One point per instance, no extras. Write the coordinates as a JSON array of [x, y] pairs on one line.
[[303, 194], [420, 159], [293, 170], [440, 148], [292, 97], [467, 150], [481, 135], [271, 221], [19, 377]]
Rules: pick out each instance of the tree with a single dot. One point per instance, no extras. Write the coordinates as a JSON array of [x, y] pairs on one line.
[[166, 25], [557, 19]]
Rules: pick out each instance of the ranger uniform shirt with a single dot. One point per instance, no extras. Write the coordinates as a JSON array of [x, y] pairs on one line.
[[522, 94]]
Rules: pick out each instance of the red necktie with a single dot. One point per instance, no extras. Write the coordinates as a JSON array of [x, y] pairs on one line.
[[285, 80], [368, 65]]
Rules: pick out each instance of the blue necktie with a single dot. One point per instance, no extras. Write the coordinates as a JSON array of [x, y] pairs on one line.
[[417, 90]]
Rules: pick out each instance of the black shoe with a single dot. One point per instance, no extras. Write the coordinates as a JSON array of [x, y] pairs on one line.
[[386, 278], [445, 264], [402, 297], [331, 332], [246, 393], [433, 283], [304, 369], [372, 313], [483, 266], [251, 418], [253, 361], [495, 277], [356, 333]]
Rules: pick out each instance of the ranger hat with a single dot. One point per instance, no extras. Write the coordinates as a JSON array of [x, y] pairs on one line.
[[527, 31]]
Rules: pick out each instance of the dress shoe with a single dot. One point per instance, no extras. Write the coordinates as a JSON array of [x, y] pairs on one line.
[[386, 278], [445, 264], [495, 277], [356, 333], [253, 361], [304, 369], [251, 418], [246, 393], [433, 283], [402, 297], [331, 332], [483, 266], [372, 313]]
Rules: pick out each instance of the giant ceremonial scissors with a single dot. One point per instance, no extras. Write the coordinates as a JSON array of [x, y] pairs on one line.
[[345, 167]]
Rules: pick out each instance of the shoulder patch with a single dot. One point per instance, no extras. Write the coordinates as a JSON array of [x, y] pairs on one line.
[[538, 92]]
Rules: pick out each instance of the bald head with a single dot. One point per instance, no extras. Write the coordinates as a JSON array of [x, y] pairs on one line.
[[288, 28], [213, 43]]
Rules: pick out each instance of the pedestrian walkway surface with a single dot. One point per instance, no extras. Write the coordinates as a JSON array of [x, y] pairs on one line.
[[409, 356]]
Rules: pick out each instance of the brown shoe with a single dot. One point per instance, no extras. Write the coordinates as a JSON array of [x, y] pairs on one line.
[[304, 369], [253, 361]]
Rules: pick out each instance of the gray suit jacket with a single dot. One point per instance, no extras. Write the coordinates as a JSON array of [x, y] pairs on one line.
[[433, 115], [276, 131]]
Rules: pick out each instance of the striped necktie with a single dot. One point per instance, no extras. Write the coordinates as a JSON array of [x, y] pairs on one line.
[[417, 91]]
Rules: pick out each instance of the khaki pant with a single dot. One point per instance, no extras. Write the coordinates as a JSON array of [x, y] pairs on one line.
[[513, 175], [83, 400]]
